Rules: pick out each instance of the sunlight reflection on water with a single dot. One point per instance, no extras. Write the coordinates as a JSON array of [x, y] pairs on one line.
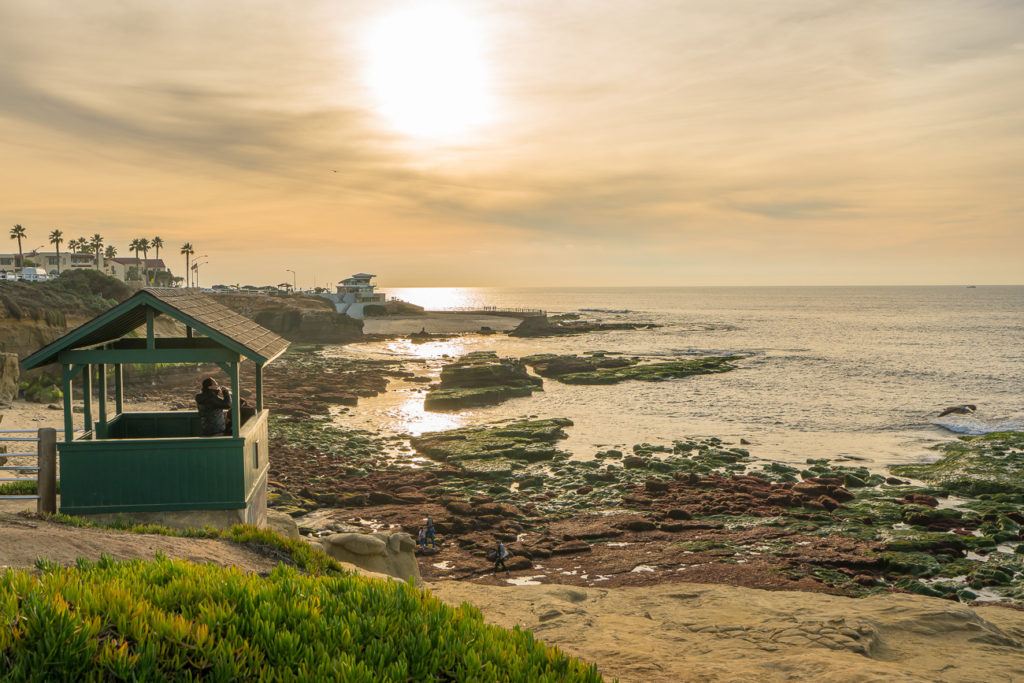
[[410, 417]]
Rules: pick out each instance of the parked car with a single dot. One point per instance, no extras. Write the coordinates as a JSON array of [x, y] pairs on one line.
[[31, 274]]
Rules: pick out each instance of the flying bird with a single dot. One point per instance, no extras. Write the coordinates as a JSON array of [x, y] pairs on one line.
[[965, 409]]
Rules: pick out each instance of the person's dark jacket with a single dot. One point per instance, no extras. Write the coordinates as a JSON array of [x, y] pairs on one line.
[[213, 408]]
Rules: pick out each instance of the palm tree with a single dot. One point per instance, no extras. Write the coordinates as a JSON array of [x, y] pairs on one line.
[[144, 246], [97, 247], [18, 233], [56, 237], [187, 250], [110, 252], [136, 246], [80, 245], [157, 242]]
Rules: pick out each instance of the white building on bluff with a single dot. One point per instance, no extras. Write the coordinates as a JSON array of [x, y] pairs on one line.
[[355, 294], [50, 261]]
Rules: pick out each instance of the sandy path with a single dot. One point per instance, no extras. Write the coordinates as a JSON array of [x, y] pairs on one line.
[[24, 415], [697, 632], [23, 540]]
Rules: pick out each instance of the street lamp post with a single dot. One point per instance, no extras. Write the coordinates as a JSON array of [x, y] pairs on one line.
[[195, 267], [294, 285]]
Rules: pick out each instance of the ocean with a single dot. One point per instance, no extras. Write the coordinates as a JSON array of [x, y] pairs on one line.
[[853, 372]]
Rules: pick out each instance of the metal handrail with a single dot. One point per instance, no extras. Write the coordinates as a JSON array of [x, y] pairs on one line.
[[45, 467]]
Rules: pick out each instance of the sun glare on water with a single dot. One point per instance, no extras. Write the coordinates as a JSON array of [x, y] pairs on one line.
[[426, 70]]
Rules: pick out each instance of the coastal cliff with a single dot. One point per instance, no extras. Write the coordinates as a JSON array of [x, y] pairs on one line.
[[296, 318], [33, 314]]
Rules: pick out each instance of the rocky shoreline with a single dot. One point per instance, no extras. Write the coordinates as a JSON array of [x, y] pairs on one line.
[[693, 510]]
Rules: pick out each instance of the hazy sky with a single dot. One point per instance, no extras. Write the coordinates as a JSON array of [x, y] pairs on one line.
[[526, 142]]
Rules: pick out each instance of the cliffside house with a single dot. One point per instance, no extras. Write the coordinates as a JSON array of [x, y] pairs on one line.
[[127, 267], [354, 294], [155, 466], [48, 260]]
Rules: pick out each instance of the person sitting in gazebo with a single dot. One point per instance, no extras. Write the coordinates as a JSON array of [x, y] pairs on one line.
[[213, 403]]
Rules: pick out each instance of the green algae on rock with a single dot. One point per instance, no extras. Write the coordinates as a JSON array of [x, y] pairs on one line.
[[480, 378], [600, 369], [529, 440], [974, 465]]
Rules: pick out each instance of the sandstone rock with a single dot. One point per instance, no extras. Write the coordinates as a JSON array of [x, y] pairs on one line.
[[9, 373], [638, 525], [827, 503], [656, 486], [360, 544], [570, 548], [920, 499], [385, 553], [401, 542], [459, 507], [518, 563], [282, 523], [816, 487]]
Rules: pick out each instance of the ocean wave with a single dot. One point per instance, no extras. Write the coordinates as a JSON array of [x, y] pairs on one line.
[[605, 310], [976, 427]]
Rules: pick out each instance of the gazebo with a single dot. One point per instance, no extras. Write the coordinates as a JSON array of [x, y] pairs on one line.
[[155, 466]]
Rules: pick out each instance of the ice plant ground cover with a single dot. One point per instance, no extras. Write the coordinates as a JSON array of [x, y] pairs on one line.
[[175, 620]]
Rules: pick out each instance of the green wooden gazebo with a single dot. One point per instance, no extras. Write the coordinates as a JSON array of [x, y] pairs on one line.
[[156, 462]]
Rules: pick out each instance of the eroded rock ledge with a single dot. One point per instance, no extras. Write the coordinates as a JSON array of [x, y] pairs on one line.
[[601, 368], [480, 378]]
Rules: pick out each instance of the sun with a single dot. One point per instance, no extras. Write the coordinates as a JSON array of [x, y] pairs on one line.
[[426, 70]]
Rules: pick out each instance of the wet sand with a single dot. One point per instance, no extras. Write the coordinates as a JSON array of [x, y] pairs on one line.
[[438, 323]]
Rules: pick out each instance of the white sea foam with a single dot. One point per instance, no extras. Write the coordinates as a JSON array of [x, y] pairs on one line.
[[974, 426]]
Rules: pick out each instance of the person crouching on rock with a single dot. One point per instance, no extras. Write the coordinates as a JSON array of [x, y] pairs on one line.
[[213, 403], [500, 555], [421, 539]]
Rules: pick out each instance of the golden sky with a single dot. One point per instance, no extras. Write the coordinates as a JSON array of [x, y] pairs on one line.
[[525, 142]]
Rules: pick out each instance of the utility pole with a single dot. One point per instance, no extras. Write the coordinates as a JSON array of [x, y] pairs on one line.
[[294, 286]]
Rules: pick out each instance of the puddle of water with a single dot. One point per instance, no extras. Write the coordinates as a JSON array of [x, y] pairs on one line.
[[952, 502], [618, 544], [989, 595], [446, 565], [641, 568], [525, 580]]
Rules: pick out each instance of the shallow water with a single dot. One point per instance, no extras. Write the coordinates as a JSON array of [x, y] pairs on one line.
[[835, 371]]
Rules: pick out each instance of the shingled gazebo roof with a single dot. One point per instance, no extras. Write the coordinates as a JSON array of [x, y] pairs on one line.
[[198, 311]]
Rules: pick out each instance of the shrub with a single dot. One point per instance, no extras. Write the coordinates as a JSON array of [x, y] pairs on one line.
[[174, 620], [76, 292], [41, 389], [27, 487]]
